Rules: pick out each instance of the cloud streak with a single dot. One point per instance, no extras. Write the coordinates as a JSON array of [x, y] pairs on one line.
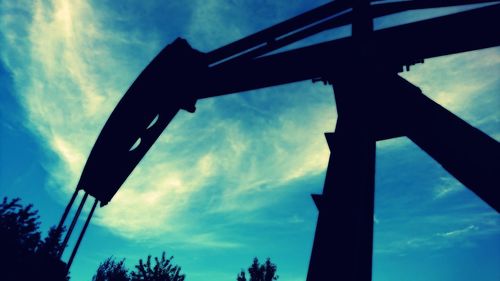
[[448, 187], [464, 84], [69, 76], [436, 232], [230, 156], [458, 232]]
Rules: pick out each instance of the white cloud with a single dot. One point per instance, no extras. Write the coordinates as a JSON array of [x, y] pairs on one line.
[[462, 83], [213, 24], [296, 219], [465, 84], [458, 228], [228, 156], [458, 232], [244, 165], [447, 187], [69, 78], [212, 241]]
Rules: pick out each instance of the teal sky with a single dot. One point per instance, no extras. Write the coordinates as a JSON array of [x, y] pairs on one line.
[[242, 187]]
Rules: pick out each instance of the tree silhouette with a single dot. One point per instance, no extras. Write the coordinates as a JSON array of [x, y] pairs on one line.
[[110, 270], [19, 226], [23, 256], [241, 276], [52, 244], [163, 270], [258, 272]]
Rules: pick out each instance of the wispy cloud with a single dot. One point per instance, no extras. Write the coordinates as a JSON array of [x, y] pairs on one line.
[[70, 74], [458, 232], [209, 26], [212, 240], [295, 219], [67, 78], [71, 66], [447, 187], [463, 83], [437, 232]]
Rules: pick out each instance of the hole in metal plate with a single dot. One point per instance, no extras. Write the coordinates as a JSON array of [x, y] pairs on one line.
[[154, 121], [135, 145]]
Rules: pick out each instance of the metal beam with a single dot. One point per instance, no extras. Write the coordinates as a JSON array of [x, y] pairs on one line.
[[340, 20], [468, 154], [395, 47], [271, 34], [66, 210], [343, 240], [73, 223], [384, 9], [278, 30], [80, 237]]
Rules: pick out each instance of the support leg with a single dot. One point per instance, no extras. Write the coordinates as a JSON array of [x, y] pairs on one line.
[[80, 237], [343, 240], [73, 223], [467, 153], [66, 211]]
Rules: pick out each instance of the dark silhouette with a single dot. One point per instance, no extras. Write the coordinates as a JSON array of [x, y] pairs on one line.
[[260, 272], [373, 103], [51, 245], [165, 85], [111, 270], [162, 270], [23, 255], [20, 226]]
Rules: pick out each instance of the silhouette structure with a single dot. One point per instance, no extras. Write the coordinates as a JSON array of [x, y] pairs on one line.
[[373, 103]]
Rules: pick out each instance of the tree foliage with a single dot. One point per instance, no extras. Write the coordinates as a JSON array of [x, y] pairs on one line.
[[19, 226], [111, 270], [51, 245], [241, 276], [23, 255], [260, 272], [162, 270]]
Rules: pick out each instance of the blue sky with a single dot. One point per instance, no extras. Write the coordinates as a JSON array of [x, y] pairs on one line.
[[245, 188]]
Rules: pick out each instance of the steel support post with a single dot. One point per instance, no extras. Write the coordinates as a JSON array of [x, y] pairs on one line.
[[467, 153], [80, 237], [343, 240], [372, 108], [66, 211], [73, 223]]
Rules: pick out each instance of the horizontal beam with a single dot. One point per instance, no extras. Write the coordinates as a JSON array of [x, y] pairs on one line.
[[337, 21], [277, 30], [384, 9], [264, 40], [393, 47]]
